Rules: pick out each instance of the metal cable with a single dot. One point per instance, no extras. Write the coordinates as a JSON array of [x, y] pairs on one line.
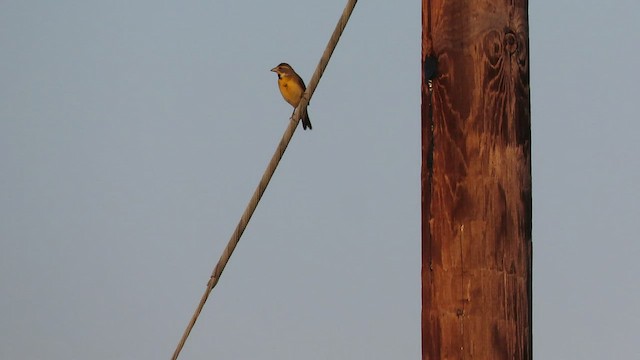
[[268, 173]]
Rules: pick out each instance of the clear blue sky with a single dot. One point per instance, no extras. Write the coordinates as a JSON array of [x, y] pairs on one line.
[[132, 134]]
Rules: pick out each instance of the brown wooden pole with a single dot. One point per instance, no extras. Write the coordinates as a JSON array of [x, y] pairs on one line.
[[476, 181]]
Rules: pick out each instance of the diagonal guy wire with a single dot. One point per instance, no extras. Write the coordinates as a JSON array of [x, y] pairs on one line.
[[268, 173]]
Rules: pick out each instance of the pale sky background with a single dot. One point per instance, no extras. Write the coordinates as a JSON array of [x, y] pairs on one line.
[[133, 133]]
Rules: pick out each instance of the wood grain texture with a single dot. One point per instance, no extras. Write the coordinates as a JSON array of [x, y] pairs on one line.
[[476, 181]]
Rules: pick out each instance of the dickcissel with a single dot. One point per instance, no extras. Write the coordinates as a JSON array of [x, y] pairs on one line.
[[292, 87]]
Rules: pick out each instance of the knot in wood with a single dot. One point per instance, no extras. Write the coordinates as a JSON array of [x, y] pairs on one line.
[[492, 46], [510, 42]]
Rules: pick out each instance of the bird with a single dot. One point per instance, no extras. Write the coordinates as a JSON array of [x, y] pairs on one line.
[[292, 87]]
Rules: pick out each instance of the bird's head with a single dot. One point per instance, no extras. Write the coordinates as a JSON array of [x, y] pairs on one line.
[[283, 69]]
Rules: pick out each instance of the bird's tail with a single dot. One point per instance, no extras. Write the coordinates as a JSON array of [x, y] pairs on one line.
[[306, 123]]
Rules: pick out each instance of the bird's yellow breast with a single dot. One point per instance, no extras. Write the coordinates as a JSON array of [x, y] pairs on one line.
[[290, 89]]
